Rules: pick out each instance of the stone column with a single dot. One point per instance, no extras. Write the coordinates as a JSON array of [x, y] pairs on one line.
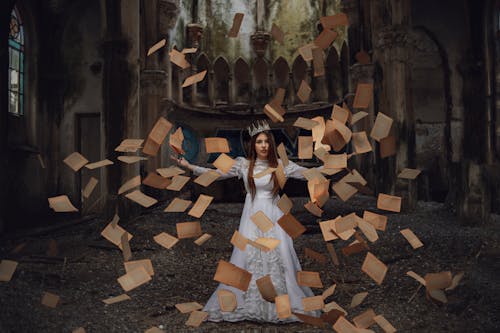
[[120, 50], [392, 46], [474, 188], [364, 74]]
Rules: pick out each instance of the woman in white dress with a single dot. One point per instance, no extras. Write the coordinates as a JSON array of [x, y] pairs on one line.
[[281, 263]]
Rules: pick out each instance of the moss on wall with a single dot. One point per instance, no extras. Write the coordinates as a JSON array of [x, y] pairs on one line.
[[297, 18]]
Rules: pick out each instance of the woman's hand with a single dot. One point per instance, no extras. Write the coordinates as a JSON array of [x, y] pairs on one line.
[[181, 161]]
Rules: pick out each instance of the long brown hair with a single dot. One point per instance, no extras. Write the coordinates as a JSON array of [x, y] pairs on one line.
[[272, 158]]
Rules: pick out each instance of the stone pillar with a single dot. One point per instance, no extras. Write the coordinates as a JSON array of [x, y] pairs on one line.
[[474, 188], [392, 48], [121, 53], [364, 74]]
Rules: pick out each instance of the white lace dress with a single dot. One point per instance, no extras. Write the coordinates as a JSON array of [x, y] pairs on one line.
[[281, 264]]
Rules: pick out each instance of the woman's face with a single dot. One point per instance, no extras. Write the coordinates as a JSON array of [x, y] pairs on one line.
[[262, 146]]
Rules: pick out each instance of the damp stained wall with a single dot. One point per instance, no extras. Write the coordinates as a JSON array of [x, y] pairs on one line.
[[297, 18]]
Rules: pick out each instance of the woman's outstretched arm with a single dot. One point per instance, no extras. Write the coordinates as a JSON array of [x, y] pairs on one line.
[[197, 170], [293, 170]]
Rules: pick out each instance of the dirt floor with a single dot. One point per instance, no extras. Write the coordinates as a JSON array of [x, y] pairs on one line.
[[86, 266]]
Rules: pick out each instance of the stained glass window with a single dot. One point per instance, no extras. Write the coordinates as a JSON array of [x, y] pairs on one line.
[[16, 64]]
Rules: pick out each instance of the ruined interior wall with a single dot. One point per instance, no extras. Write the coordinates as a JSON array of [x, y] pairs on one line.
[[26, 177], [297, 18], [82, 95], [438, 146]]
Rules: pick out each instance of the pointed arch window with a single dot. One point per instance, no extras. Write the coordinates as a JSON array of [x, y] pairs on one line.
[[16, 64]]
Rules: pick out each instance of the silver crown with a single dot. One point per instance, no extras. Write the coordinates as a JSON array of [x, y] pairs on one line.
[[257, 127]]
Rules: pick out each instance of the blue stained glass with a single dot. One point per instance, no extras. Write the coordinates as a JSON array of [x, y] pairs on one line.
[[16, 64]]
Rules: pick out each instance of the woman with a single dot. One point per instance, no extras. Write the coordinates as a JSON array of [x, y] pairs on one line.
[[281, 263]]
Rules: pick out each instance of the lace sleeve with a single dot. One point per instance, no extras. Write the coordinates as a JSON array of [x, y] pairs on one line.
[[293, 170], [235, 171]]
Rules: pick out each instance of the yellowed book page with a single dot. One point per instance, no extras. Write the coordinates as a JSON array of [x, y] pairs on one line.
[[145, 263], [179, 59], [7, 269], [142, 199], [134, 278], [194, 79], [200, 205], [99, 164], [196, 318], [361, 143], [131, 159], [283, 307], [130, 184], [232, 275], [285, 204], [178, 183], [411, 238], [188, 307], [114, 234], [266, 288], [75, 161], [389, 202], [291, 225], [365, 319], [178, 205], [363, 97], [325, 38], [407, 173], [358, 299], [170, 171], [344, 326], [166, 240], [202, 239], [340, 114], [309, 279], [239, 241], [381, 127], [188, 229], [374, 268], [278, 34], [227, 300], [61, 204], [304, 92], [51, 300], [157, 46], [377, 220], [358, 116], [235, 28], [224, 163], [116, 299], [333, 21], [216, 145], [207, 178], [262, 221], [313, 303], [384, 324]]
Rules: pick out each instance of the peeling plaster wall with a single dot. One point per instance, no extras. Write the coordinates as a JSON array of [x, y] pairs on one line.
[[297, 18]]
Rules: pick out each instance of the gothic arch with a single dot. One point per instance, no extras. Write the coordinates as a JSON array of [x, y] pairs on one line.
[[281, 73], [260, 73], [334, 76], [242, 81], [202, 91], [221, 84], [299, 73]]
